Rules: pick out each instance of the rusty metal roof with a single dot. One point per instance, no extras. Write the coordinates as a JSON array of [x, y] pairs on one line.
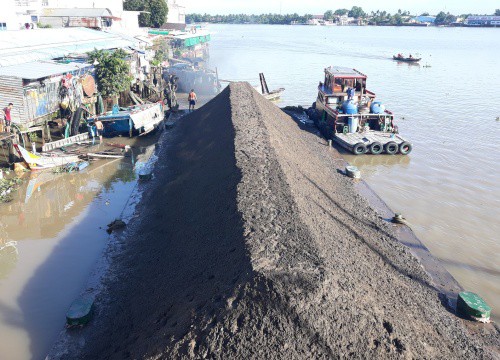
[[344, 72], [77, 12], [40, 69], [22, 46]]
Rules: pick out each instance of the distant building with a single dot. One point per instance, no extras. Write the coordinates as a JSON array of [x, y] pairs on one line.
[[26, 14], [176, 17], [424, 19], [93, 18], [491, 21], [8, 19], [346, 20]]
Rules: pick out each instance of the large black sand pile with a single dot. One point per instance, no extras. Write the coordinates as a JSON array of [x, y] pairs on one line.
[[251, 245]]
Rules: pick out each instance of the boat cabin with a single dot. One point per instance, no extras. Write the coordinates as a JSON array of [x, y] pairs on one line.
[[343, 97], [338, 80]]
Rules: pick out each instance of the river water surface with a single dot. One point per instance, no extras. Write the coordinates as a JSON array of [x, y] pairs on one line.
[[51, 235], [449, 186]]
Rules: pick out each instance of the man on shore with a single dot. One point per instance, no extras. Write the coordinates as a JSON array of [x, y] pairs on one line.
[[192, 100], [99, 128], [7, 117]]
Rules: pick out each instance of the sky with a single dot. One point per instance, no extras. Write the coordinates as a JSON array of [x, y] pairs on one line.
[[317, 7]]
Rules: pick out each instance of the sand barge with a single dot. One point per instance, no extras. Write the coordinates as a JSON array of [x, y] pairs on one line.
[[247, 249]]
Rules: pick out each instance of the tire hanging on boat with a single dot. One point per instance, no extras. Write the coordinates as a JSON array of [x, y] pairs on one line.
[[376, 148], [359, 149], [391, 148], [405, 148]]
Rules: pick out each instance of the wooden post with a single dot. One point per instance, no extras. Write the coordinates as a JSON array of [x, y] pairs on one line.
[[43, 136], [12, 154], [49, 136]]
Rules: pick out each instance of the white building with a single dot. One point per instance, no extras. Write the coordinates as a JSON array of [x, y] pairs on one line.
[[17, 13], [176, 17], [8, 18]]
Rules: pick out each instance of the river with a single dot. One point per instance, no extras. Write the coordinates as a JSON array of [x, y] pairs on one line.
[[448, 106], [447, 188], [55, 231]]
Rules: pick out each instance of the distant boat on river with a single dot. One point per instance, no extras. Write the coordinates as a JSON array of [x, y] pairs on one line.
[[406, 59]]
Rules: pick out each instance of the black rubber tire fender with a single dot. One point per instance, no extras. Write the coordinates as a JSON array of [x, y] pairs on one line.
[[359, 149], [405, 148], [391, 148], [376, 148]]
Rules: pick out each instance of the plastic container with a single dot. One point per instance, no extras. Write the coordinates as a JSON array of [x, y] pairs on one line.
[[377, 108], [348, 107], [353, 123]]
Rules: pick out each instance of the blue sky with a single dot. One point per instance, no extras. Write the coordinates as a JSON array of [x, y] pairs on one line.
[[320, 6]]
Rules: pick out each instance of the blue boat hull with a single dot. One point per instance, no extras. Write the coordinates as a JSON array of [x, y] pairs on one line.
[[118, 127]]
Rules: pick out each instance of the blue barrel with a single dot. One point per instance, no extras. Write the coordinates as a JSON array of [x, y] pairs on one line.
[[348, 107], [377, 108]]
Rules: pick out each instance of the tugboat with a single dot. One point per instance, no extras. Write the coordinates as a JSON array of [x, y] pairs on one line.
[[347, 112]]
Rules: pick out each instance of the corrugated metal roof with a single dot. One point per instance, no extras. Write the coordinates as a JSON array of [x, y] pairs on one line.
[[77, 12], [22, 46], [40, 69], [340, 71]]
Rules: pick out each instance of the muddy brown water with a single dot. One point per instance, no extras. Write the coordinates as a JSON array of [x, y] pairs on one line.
[[55, 230], [448, 187]]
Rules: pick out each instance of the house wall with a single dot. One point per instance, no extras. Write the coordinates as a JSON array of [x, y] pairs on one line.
[[176, 12], [8, 17], [11, 91]]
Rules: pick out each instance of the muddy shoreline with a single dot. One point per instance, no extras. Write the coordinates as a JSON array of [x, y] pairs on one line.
[[251, 243]]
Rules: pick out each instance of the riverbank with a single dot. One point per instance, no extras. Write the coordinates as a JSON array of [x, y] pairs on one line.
[[251, 243]]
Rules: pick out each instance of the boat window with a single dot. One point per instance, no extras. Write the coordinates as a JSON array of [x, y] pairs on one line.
[[331, 100]]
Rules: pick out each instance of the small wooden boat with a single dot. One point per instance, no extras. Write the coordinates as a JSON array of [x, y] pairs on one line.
[[45, 160], [139, 119], [264, 90], [274, 95], [406, 59]]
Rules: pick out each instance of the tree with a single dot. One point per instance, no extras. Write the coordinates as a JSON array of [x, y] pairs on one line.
[[424, 14], [445, 19], [356, 12], [155, 11], [396, 19], [440, 18], [497, 12], [112, 71], [328, 15], [341, 12]]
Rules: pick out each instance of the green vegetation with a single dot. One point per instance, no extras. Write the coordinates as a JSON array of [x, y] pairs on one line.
[[155, 11], [374, 18], [445, 18], [43, 26], [7, 187], [112, 72], [249, 19], [161, 52]]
